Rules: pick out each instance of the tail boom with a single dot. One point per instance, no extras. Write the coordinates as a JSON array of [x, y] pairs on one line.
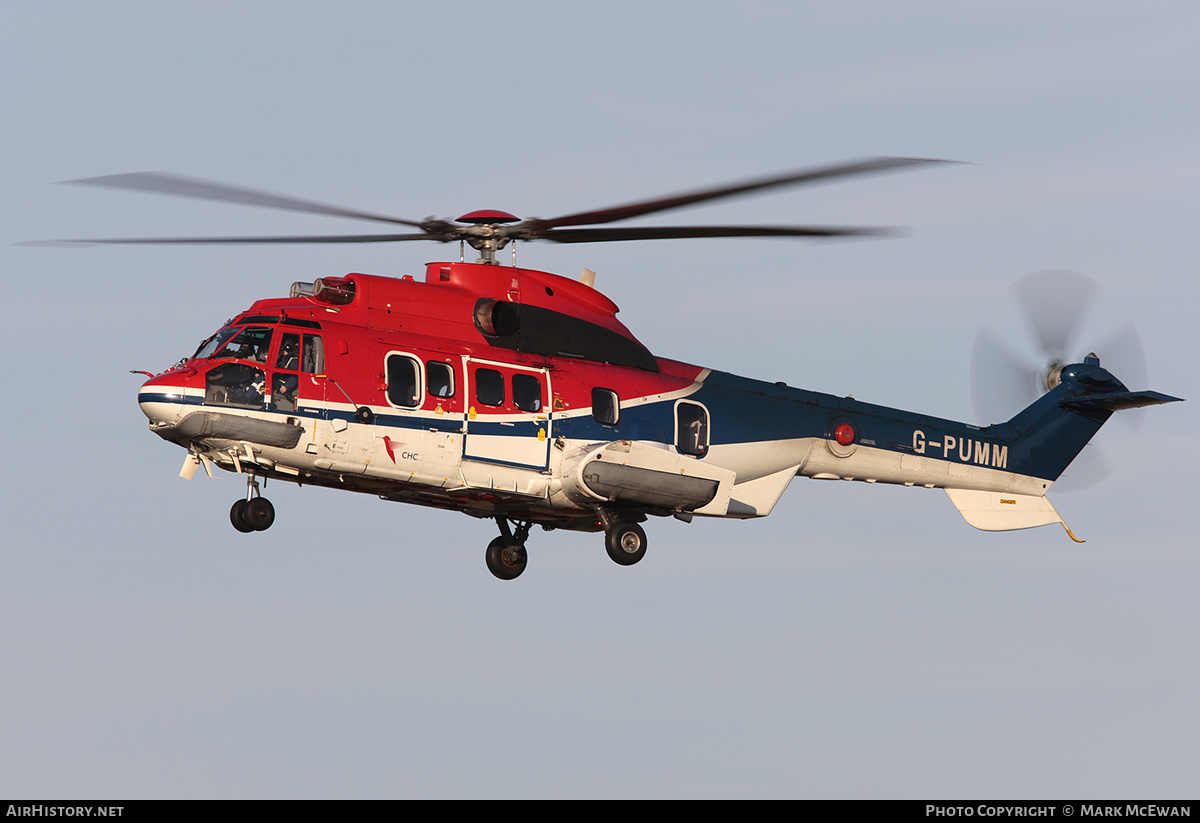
[[997, 476]]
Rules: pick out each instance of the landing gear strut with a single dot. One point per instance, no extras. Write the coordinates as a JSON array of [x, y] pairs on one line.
[[506, 556], [254, 513]]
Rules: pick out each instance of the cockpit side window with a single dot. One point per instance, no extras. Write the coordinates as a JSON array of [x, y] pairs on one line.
[[234, 384], [289, 352], [285, 384]]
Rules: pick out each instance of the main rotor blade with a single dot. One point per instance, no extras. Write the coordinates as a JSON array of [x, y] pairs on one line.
[[150, 241], [683, 232], [186, 187], [610, 215]]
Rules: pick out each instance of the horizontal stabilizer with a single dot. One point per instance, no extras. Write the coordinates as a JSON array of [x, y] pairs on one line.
[[1116, 401], [1003, 511]]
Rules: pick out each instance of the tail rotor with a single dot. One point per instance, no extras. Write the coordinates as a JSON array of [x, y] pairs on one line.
[[1008, 374]]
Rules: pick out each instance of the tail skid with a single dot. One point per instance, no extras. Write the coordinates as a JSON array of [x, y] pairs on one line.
[[1002, 511]]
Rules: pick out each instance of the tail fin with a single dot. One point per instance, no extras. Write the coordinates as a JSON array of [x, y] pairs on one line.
[[1051, 432], [1045, 438]]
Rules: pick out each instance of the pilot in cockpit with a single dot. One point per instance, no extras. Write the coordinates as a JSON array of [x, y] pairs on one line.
[[289, 354]]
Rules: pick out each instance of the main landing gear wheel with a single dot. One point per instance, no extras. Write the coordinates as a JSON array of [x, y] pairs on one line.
[[237, 516], [626, 543], [506, 558], [260, 514], [253, 515]]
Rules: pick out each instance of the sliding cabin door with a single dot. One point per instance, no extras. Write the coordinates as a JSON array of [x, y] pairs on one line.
[[508, 414]]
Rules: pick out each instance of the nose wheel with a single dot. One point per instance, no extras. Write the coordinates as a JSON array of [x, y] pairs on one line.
[[254, 513]]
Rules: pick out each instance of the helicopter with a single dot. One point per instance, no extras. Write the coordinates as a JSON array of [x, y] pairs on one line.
[[516, 395]]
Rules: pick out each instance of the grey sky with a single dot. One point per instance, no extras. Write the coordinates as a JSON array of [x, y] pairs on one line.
[[860, 642]]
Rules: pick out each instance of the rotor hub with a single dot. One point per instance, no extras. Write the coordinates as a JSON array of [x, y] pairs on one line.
[[489, 217], [1050, 375]]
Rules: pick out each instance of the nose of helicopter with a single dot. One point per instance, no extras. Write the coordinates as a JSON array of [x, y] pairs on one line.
[[162, 398]]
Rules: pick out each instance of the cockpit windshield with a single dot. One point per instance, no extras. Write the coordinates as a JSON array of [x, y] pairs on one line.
[[215, 342], [249, 343]]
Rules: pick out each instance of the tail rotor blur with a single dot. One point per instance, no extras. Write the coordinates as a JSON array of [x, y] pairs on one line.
[[1007, 374]]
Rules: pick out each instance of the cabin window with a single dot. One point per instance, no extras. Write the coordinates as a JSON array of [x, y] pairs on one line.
[[691, 429], [489, 387], [527, 392], [403, 381], [606, 407], [439, 379]]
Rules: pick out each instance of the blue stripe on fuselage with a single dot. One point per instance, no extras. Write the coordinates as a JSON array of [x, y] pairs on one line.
[[742, 410]]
